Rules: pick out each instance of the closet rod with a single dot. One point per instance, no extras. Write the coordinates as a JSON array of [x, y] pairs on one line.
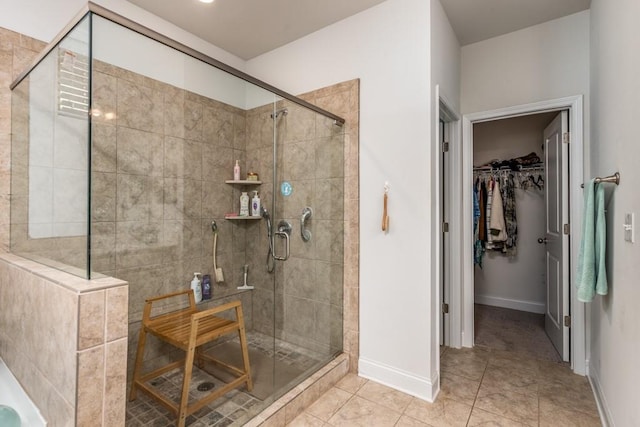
[[615, 179]]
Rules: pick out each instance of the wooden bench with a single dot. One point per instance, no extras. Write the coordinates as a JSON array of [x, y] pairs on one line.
[[188, 329]]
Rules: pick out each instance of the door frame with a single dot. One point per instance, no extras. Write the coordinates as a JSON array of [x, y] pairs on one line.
[[577, 310], [445, 111]]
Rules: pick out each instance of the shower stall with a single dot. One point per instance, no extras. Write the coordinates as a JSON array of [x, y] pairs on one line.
[[123, 148]]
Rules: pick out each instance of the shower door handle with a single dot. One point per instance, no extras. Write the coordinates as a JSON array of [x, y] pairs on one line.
[[284, 236], [284, 231]]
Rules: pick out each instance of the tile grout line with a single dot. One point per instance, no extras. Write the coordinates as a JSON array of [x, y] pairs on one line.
[[486, 366]]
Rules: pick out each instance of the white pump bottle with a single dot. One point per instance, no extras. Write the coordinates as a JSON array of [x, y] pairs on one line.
[[197, 289], [255, 204]]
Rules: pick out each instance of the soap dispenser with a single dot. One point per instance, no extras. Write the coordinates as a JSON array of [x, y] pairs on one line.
[[197, 289], [236, 172], [255, 204]]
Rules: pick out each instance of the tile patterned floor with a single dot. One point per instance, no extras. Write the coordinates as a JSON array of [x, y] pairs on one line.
[[232, 408], [504, 382], [479, 387], [513, 330]]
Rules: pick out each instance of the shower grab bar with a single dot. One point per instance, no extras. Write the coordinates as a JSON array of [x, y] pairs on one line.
[[614, 179], [307, 213]]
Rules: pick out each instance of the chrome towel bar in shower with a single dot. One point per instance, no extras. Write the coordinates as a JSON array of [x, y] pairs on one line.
[[615, 179]]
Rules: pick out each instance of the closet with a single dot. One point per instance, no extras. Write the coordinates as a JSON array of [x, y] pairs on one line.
[[510, 269]]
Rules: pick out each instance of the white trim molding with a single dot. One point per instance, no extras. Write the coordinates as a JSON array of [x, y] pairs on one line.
[[576, 158], [514, 304], [601, 402], [420, 387]]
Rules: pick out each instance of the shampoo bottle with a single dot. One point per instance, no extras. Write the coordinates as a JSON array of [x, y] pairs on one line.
[[244, 204], [197, 290], [255, 204], [206, 287], [236, 172]]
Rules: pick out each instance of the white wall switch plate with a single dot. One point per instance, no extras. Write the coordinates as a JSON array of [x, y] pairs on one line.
[[628, 227]]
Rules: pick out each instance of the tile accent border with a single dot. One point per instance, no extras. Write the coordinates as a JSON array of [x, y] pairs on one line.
[[292, 404]]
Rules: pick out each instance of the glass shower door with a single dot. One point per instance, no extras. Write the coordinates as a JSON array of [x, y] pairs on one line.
[[309, 201]]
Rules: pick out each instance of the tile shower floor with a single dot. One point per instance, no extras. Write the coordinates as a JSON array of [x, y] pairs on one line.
[[512, 377], [234, 406]]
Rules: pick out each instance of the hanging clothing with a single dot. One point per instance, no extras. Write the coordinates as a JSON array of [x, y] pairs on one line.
[[476, 207], [509, 201], [488, 207], [497, 227], [483, 212], [478, 250]]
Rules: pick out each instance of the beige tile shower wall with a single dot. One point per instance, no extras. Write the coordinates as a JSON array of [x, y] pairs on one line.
[[160, 159], [159, 169], [64, 338], [16, 53], [343, 99], [321, 161], [259, 159]]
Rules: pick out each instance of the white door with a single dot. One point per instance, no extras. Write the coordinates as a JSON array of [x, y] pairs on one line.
[[556, 239]]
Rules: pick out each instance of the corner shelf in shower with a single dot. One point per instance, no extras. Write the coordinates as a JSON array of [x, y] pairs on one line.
[[243, 182], [238, 217]]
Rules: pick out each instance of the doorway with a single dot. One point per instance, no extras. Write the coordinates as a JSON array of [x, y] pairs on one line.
[[520, 251], [463, 167]]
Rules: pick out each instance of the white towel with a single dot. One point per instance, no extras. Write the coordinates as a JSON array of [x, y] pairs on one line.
[[497, 229]]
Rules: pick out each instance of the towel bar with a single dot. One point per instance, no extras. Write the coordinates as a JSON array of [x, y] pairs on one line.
[[615, 179]]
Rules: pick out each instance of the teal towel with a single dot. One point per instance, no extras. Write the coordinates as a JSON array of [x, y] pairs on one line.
[[601, 242], [591, 276]]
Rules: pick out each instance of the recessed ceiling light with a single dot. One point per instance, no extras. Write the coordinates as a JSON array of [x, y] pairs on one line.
[[206, 1]]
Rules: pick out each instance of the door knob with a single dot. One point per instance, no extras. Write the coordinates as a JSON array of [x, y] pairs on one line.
[[541, 240]]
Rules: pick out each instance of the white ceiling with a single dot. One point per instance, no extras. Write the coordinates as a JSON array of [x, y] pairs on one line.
[[477, 20], [248, 28]]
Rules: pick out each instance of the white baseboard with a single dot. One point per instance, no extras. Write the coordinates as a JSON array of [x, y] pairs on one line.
[[514, 304], [601, 402], [420, 387]]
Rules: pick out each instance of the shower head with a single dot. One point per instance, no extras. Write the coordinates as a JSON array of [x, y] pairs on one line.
[[264, 213], [282, 111], [214, 227]]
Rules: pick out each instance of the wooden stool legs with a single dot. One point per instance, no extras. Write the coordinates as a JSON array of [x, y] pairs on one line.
[[189, 329], [244, 347]]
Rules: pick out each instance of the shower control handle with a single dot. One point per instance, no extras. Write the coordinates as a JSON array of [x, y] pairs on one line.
[[284, 231]]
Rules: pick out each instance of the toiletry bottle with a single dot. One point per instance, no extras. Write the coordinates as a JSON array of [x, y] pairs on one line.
[[206, 287], [244, 204], [197, 290], [255, 204], [236, 172]]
